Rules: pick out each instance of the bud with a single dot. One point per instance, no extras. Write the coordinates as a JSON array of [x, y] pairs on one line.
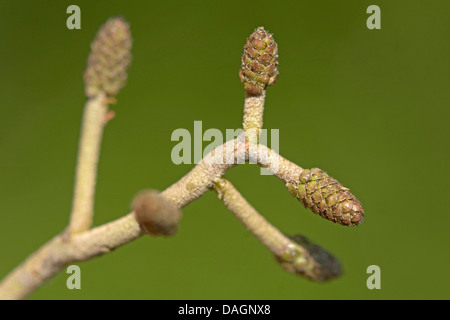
[[259, 62], [155, 214], [325, 196], [109, 59], [309, 260]]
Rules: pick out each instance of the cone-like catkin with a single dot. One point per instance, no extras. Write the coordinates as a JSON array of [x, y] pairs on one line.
[[312, 262], [109, 59], [155, 214], [259, 62], [327, 197]]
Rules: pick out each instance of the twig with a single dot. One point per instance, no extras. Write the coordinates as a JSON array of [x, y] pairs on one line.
[[253, 111], [276, 164], [94, 120], [273, 239]]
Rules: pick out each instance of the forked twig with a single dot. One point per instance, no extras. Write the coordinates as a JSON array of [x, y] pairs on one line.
[[158, 213]]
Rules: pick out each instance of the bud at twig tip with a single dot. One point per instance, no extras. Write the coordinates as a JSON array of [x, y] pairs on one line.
[[309, 260], [259, 62], [109, 59], [325, 196]]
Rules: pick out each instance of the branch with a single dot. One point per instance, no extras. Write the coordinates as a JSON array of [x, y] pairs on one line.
[[105, 75], [62, 250]]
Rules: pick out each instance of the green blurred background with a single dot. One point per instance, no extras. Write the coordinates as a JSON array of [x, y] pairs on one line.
[[371, 107]]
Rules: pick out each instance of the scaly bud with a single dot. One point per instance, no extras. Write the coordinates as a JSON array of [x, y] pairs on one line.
[[259, 62], [309, 260], [155, 214], [109, 59], [325, 196]]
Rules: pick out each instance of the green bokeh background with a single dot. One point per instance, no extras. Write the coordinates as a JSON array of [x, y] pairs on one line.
[[371, 107]]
